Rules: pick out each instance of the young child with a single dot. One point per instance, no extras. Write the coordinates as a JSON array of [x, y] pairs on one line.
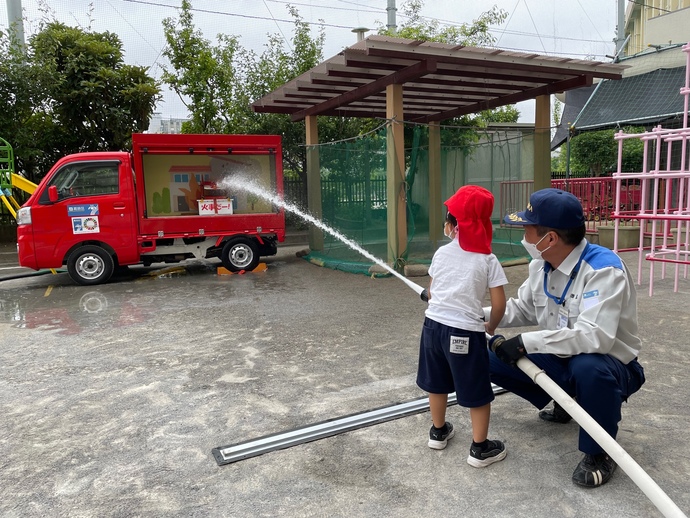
[[453, 355]]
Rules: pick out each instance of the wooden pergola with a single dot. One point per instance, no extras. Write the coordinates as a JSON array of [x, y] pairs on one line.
[[424, 82]]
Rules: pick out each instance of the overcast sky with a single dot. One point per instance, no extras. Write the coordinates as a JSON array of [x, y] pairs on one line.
[[572, 28]]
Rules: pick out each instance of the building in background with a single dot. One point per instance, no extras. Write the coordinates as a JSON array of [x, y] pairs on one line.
[[649, 92], [159, 124], [656, 23]]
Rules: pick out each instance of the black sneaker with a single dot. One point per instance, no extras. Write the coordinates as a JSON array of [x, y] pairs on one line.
[[438, 437], [494, 452], [556, 415], [594, 470]]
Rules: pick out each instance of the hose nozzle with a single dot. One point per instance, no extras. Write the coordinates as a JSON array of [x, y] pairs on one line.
[[424, 295]]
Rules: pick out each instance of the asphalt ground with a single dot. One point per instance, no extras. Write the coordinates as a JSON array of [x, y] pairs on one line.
[[112, 398]]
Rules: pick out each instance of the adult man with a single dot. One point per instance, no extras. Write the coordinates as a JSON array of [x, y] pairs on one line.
[[583, 299]]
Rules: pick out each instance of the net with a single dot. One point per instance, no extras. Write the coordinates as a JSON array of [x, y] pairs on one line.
[[354, 196]]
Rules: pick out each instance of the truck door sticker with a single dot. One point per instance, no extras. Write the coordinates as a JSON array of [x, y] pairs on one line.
[[83, 210], [87, 225]]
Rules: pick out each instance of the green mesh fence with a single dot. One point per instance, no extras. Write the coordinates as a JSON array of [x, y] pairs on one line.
[[354, 200]]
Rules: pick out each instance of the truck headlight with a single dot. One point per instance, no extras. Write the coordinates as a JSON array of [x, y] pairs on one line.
[[24, 216]]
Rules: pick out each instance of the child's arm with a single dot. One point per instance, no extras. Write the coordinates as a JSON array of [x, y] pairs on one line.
[[498, 308]]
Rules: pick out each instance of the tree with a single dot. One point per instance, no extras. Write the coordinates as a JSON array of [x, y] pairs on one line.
[[272, 69], [218, 82], [70, 91], [476, 34], [21, 103], [97, 100], [596, 152], [202, 75]]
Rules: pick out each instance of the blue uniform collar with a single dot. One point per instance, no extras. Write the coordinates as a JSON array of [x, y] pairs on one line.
[[569, 263]]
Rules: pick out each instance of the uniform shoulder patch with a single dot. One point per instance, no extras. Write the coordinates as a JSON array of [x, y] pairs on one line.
[[599, 257]]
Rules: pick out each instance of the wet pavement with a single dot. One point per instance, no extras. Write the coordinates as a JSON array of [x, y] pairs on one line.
[[113, 396]]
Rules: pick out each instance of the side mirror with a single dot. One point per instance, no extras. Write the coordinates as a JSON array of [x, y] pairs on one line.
[[53, 193]]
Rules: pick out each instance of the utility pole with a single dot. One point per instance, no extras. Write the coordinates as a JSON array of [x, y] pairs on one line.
[[620, 29], [14, 19], [391, 16]]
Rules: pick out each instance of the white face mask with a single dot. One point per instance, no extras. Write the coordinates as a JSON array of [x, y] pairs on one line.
[[532, 248], [450, 234]]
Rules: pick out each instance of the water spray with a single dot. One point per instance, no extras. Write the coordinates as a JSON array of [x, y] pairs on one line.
[[242, 183]]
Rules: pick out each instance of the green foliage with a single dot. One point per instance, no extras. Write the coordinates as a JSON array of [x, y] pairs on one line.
[[557, 112], [593, 151], [470, 34], [204, 75], [633, 151], [356, 159], [475, 34], [218, 82], [558, 159], [273, 68], [96, 98], [596, 152], [503, 114], [68, 92], [22, 121]]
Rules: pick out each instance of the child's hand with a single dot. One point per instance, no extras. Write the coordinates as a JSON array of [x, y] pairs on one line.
[[489, 330]]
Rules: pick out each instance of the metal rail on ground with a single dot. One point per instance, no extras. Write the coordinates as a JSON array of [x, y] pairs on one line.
[[255, 447]]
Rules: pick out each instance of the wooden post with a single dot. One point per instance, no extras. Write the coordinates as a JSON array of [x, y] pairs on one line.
[[395, 176], [313, 181], [435, 209], [542, 143]]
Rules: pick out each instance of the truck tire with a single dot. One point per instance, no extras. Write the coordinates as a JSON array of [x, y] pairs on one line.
[[240, 253], [89, 265]]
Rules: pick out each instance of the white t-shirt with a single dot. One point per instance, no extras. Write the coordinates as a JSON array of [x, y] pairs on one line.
[[460, 280]]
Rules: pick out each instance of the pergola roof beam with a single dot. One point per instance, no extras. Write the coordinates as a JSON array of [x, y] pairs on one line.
[[407, 74], [568, 84], [390, 48]]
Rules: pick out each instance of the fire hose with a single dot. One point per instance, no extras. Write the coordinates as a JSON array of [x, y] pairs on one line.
[[29, 274]]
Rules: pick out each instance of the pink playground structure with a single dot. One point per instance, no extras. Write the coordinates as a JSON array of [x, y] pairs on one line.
[[662, 197]]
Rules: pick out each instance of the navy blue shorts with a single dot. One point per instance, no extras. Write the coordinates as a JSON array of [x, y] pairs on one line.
[[454, 360]]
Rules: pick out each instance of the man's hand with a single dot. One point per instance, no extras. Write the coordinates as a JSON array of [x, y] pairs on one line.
[[508, 351]]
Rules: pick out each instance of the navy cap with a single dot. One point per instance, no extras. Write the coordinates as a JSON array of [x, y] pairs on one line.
[[551, 208]]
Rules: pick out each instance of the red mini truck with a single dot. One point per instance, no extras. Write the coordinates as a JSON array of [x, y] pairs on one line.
[[162, 203]]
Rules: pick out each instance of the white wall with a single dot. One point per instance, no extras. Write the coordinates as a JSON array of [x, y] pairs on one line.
[[668, 28]]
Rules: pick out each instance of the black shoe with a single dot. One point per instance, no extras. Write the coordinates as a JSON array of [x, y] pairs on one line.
[[494, 451], [438, 437], [594, 470], [556, 415]]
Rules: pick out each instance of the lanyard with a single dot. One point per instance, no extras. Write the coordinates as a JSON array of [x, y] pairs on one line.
[[547, 268]]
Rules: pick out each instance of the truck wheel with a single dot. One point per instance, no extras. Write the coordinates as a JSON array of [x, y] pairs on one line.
[[89, 265], [240, 253]]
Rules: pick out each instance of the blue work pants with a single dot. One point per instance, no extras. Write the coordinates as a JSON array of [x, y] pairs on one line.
[[599, 382]]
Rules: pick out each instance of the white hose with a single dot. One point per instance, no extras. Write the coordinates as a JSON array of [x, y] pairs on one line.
[[615, 451]]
